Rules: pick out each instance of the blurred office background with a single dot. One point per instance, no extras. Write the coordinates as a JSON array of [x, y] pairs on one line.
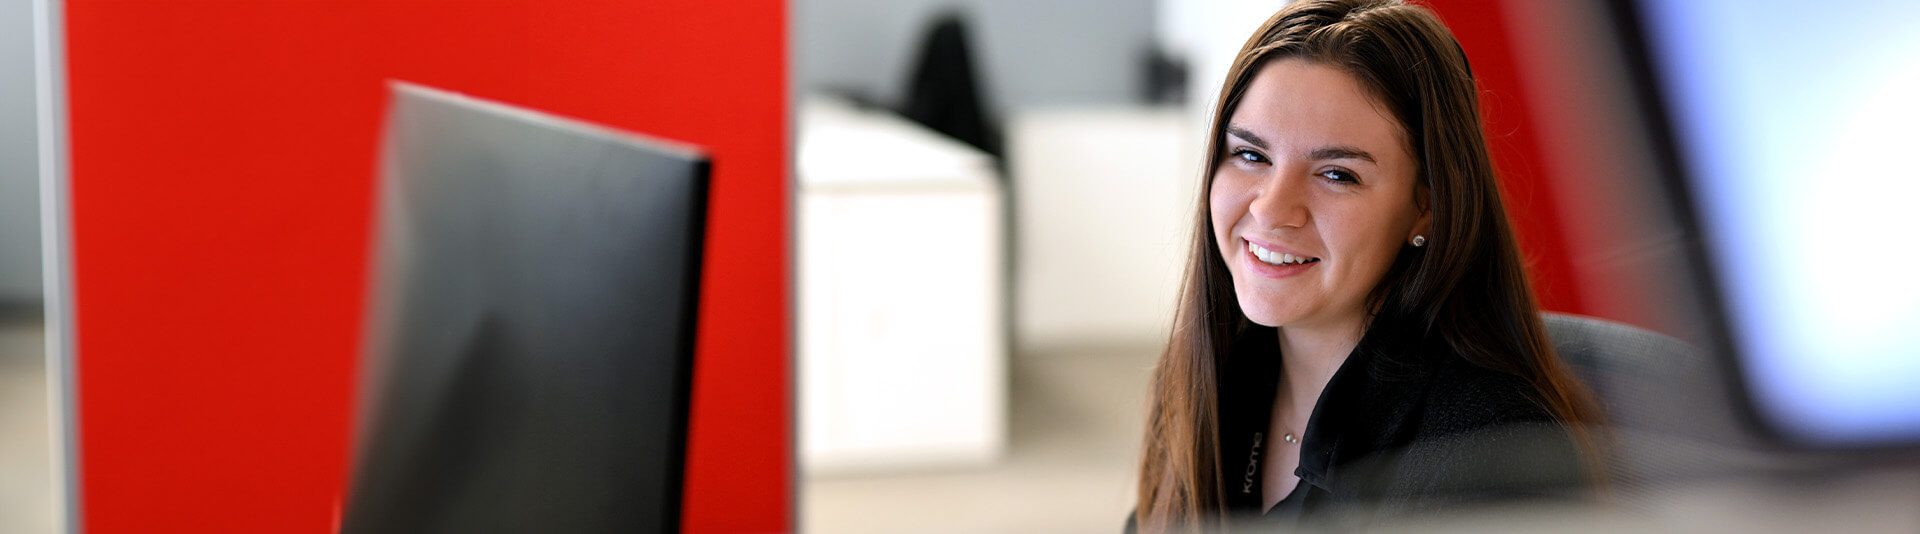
[[26, 476], [982, 370], [990, 201]]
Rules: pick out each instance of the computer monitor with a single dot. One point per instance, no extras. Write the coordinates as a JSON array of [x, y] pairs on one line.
[[1788, 127], [529, 348]]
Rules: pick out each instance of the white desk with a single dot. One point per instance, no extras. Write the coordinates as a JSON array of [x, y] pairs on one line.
[[901, 339]]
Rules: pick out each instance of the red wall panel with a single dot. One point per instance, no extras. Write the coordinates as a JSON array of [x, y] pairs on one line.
[[1526, 173], [222, 177]]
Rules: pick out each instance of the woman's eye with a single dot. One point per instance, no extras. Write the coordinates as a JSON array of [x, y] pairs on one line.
[[1340, 176], [1248, 156]]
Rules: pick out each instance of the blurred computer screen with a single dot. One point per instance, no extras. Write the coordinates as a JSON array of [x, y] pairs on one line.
[[1792, 123]]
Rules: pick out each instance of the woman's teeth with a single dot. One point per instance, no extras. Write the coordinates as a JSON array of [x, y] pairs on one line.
[[1277, 258]]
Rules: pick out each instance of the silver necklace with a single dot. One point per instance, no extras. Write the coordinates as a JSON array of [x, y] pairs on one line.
[[1287, 435]]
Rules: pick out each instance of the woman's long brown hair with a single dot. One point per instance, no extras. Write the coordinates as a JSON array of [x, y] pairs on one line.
[[1466, 290]]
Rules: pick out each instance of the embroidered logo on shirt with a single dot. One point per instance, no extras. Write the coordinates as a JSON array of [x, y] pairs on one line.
[[1253, 463]]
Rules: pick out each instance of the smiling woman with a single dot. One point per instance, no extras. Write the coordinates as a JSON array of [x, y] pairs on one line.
[[1355, 332]]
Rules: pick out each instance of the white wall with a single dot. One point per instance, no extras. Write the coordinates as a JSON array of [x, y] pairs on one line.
[[1030, 53], [1209, 34], [19, 180]]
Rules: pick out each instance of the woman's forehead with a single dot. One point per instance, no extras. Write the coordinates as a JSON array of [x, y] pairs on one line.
[[1298, 105]]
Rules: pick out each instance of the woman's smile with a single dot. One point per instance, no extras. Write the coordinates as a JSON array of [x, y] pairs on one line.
[[1270, 262]]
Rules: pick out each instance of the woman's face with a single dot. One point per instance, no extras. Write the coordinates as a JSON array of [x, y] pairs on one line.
[[1315, 176]]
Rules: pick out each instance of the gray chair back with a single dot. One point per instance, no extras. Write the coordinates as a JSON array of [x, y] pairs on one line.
[[1668, 409]]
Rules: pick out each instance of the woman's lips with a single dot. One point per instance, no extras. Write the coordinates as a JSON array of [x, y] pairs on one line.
[[1272, 264]]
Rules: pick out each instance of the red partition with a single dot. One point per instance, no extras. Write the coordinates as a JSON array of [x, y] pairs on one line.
[[222, 164], [1526, 174]]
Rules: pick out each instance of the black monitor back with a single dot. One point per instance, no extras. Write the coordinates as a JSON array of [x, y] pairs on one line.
[[529, 349]]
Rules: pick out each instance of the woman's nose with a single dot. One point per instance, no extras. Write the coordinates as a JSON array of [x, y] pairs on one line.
[[1280, 202]]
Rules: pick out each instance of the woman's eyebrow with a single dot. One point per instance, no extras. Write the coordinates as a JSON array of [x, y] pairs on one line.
[[1322, 153], [1341, 152], [1247, 136]]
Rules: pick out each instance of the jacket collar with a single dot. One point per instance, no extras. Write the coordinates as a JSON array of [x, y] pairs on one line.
[[1368, 406]]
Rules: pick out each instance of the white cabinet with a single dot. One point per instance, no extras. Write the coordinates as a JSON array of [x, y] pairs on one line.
[[1105, 198], [901, 342]]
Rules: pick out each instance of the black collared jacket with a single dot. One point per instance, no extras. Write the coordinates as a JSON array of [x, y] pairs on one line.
[[1400, 429]]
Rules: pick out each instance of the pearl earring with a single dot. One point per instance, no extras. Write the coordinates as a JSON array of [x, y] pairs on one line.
[[1419, 241]]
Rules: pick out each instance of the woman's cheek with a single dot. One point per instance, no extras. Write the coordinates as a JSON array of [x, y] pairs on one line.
[[1224, 213]]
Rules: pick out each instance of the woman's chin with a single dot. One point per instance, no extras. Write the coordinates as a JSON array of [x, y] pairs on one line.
[[1267, 314]]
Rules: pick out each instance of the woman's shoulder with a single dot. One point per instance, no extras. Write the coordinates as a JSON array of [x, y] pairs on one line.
[[1464, 397], [1485, 434]]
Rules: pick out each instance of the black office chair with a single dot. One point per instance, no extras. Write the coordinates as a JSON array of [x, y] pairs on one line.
[[945, 92]]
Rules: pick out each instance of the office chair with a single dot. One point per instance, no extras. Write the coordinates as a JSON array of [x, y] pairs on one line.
[[1669, 412]]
